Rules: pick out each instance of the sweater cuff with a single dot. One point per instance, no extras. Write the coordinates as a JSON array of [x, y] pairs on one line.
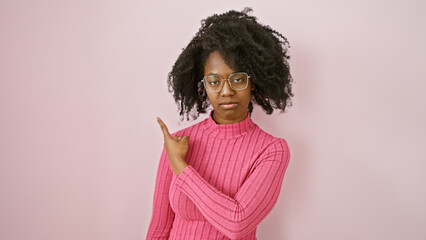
[[181, 179]]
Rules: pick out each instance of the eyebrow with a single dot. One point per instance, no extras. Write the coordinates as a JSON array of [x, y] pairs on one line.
[[221, 75]]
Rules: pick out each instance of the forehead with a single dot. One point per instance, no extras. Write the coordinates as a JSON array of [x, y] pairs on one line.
[[215, 64]]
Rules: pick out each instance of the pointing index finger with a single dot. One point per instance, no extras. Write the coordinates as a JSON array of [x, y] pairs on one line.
[[163, 128]]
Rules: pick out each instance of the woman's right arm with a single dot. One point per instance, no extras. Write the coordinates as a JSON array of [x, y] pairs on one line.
[[162, 214]]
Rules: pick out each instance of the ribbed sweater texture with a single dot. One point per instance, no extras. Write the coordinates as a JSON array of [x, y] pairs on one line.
[[232, 181]]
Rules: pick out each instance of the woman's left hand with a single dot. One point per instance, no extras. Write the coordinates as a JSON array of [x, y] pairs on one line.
[[176, 148]]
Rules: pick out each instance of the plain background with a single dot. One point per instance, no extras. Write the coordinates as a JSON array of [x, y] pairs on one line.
[[81, 83]]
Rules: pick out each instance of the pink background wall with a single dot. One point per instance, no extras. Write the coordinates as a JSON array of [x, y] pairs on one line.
[[81, 83]]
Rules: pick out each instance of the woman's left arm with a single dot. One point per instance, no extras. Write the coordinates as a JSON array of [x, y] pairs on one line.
[[235, 217]]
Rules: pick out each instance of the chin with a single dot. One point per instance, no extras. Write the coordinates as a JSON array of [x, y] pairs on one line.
[[230, 114]]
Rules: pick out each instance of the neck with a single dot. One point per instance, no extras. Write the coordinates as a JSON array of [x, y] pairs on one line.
[[228, 131]]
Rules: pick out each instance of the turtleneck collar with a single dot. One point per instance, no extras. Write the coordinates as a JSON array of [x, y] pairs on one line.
[[228, 131]]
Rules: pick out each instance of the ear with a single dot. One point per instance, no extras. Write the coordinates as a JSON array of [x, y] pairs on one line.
[[252, 87]]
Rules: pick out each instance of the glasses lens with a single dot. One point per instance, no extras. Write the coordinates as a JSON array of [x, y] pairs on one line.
[[212, 83], [238, 81]]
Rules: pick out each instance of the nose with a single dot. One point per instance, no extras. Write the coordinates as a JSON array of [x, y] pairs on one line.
[[226, 89]]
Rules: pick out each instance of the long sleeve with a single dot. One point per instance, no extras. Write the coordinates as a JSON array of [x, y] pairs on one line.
[[237, 216], [162, 214]]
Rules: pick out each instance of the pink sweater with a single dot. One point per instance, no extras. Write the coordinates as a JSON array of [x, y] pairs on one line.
[[232, 182]]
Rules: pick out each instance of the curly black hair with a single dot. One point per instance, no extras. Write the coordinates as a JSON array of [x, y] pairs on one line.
[[246, 46]]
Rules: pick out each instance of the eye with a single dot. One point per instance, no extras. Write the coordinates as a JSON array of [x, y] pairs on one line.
[[213, 80], [237, 80]]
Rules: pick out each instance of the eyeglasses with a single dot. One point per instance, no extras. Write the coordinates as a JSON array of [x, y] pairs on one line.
[[237, 81]]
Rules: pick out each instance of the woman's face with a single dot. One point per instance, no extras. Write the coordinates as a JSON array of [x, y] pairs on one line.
[[230, 106]]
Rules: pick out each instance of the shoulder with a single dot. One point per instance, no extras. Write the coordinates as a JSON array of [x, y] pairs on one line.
[[279, 144], [189, 130], [276, 151], [273, 144], [272, 141]]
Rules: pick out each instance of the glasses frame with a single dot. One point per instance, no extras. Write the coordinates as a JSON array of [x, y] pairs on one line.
[[227, 79]]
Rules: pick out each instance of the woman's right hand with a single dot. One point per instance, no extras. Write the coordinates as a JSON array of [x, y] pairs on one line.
[[176, 148]]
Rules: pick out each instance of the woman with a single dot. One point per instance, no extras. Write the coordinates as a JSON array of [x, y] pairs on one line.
[[219, 178]]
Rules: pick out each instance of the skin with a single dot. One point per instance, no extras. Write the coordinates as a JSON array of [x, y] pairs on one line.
[[215, 64], [177, 147]]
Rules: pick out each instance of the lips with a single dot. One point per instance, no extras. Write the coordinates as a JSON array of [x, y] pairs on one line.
[[228, 105]]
